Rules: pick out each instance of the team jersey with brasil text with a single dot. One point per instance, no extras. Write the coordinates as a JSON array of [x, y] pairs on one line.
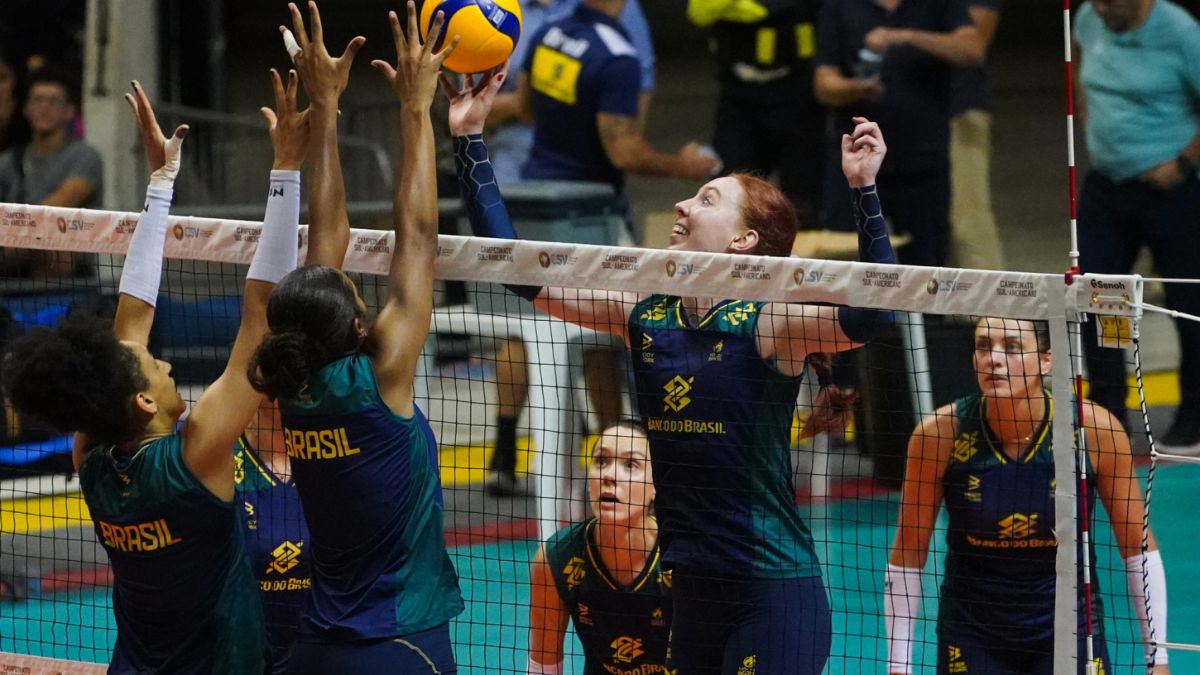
[[624, 629], [277, 541], [372, 497], [719, 420], [1001, 547], [183, 593]]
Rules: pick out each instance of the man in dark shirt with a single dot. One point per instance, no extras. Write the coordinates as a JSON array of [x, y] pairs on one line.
[[767, 116], [891, 61]]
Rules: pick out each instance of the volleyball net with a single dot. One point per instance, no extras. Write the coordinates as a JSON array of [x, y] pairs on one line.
[[55, 601]]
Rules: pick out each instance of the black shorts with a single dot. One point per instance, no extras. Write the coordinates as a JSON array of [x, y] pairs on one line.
[[420, 653], [966, 654], [765, 627]]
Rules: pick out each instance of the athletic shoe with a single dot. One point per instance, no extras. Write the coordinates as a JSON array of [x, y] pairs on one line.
[[1184, 436]]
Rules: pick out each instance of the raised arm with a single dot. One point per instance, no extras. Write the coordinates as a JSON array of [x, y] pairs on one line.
[[928, 450], [547, 619], [1118, 488], [788, 332], [403, 323], [324, 78], [470, 106], [142, 272], [226, 407]]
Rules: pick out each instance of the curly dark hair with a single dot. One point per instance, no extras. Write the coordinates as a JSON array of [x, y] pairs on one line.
[[77, 377]]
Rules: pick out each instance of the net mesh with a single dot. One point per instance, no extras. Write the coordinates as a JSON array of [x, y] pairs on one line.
[[55, 581]]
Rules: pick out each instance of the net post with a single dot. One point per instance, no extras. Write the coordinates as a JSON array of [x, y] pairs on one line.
[[1066, 622]]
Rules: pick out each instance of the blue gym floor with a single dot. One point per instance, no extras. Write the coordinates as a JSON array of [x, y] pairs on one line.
[[491, 635]]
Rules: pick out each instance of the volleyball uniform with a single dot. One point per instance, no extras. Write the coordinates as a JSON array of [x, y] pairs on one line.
[[719, 419], [183, 590], [623, 629], [579, 66], [368, 479], [278, 543], [997, 604]]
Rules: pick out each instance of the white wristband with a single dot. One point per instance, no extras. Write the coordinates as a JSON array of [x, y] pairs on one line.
[[1147, 580], [901, 605], [142, 272], [278, 246], [535, 668]]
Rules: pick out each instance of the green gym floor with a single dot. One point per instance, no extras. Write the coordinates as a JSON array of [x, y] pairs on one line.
[[853, 534]]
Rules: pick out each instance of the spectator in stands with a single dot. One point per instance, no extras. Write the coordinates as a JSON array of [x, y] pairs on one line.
[[767, 116], [581, 84], [892, 62], [14, 128], [974, 239], [512, 140], [52, 169], [1139, 66]]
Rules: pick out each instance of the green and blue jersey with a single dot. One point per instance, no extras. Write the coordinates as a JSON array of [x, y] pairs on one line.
[[368, 480], [719, 421]]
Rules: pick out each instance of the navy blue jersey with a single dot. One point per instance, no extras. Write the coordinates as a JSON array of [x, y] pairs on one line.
[[183, 592], [579, 66], [719, 420], [623, 629], [369, 482], [277, 541], [1001, 548]]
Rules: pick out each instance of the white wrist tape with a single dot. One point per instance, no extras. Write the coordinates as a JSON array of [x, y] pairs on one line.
[[901, 605], [278, 245], [142, 272], [535, 668], [1149, 589], [164, 177]]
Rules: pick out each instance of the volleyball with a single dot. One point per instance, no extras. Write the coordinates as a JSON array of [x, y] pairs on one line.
[[488, 31]]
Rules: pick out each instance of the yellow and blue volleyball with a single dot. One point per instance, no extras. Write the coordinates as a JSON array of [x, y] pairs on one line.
[[488, 31]]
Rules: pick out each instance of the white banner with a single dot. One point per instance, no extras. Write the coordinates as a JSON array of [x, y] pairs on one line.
[[934, 290]]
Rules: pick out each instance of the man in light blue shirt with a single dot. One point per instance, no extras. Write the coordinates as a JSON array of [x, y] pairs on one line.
[[510, 142], [1139, 70]]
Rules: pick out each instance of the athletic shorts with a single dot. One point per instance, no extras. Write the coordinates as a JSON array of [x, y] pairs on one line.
[[733, 627], [969, 655], [424, 653]]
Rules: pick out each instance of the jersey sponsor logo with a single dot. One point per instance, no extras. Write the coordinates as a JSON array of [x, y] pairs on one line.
[[647, 345], [555, 74], [574, 571], [677, 393], [318, 444], [973, 493], [1018, 526], [964, 447], [290, 584], [664, 578], [954, 660], [1016, 531], [656, 312], [626, 649], [152, 536], [284, 557], [685, 426], [739, 314], [239, 468], [657, 619], [715, 354], [748, 665], [585, 615], [251, 520]]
